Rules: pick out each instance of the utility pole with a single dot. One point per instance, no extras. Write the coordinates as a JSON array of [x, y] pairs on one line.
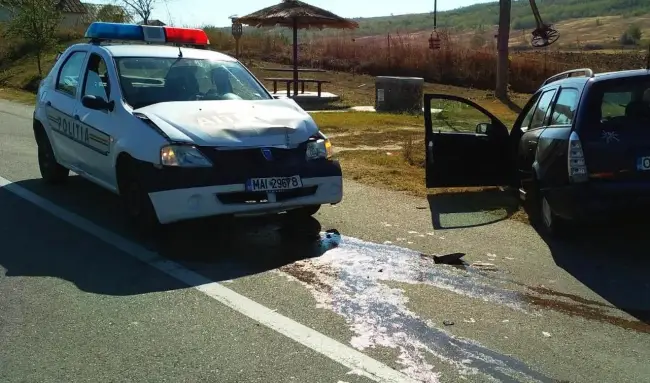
[[502, 49]]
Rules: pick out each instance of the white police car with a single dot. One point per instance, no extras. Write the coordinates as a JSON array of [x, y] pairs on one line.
[[178, 133]]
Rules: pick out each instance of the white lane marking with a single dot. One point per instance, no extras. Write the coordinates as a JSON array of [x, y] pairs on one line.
[[308, 337]]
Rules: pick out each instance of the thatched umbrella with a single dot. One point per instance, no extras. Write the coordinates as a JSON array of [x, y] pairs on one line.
[[296, 15]]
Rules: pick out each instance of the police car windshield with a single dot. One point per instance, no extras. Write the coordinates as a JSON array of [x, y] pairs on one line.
[[151, 80]]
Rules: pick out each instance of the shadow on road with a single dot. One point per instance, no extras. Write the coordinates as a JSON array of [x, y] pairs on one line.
[[40, 245], [612, 259], [470, 209]]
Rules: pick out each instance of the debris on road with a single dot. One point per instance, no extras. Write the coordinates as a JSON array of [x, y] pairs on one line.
[[448, 323], [449, 259], [546, 334], [485, 266]]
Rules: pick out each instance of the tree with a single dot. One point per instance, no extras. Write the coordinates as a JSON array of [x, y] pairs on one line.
[[35, 21], [141, 8], [503, 38], [112, 14], [632, 36]]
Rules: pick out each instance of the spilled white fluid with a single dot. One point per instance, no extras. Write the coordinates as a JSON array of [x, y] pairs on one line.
[[351, 281]]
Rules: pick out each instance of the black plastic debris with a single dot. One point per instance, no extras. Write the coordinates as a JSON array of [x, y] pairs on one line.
[[448, 323], [449, 259]]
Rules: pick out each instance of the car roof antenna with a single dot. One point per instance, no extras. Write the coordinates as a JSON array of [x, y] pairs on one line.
[[180, 52]]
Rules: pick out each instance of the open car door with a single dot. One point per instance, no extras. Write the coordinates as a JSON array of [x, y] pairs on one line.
[[476, 155]]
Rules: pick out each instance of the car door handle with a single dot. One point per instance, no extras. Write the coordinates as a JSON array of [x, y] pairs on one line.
[[76, 117]]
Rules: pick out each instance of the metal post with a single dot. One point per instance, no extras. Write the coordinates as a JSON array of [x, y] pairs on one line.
[[435, 14], [295, 56]]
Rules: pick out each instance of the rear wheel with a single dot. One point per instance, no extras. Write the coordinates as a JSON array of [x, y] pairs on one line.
[[543, 215], [51, 171]]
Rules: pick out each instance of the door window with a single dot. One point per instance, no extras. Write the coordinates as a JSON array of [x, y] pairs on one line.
[[68, 80], [96, 80], [541, 109], [565, 107], [532, 103]]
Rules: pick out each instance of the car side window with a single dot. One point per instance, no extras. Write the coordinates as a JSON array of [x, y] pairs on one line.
[[68, 80], [96, 81], [565, 107], [529, 116], [541, 109]]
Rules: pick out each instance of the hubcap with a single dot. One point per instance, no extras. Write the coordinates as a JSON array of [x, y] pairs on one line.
[[547, 215]]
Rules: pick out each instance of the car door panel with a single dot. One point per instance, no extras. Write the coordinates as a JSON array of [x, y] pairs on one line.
[[455, 159], [552, 156], [61, 106], [98, 125]]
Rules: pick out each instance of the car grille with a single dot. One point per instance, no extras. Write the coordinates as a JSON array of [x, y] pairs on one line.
[[252, 161]]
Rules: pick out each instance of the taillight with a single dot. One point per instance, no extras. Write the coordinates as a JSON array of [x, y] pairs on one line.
[[576, 161]]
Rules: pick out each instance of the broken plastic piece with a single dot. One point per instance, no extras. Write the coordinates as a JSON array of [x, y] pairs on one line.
[[449, 259]]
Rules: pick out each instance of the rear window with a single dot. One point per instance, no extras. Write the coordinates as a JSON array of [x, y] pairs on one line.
[[619, 104]]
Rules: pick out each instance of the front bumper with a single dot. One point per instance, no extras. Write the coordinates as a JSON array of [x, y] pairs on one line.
[[596, 200], [183, 194]]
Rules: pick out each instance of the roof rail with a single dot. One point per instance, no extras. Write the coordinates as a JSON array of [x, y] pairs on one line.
[[587, 73]]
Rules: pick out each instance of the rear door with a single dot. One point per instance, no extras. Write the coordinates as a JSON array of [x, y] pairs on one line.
[[614, 129], [61, 105], [476, 152]]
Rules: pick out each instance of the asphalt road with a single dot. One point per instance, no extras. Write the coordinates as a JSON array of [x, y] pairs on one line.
[[83, 299]]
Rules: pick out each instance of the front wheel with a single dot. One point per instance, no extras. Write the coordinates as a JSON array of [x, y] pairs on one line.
[[305, 211], [51, 171], [137, 204]]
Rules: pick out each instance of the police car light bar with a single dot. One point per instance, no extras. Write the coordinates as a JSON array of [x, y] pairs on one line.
[[147, 33]]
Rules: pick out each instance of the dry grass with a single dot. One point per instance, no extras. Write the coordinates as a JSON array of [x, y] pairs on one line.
[[408, 55]]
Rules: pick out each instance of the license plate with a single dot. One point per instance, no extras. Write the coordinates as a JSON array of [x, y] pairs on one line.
[[643, 163], [273, 183]]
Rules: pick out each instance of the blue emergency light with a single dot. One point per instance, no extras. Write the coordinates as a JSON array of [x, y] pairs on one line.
[[147, 33]]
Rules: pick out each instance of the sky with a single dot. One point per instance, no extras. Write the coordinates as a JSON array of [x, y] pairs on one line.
[[216, 12]]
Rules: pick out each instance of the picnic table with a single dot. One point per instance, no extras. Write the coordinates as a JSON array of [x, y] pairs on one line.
[[301, 81], [308, 70]]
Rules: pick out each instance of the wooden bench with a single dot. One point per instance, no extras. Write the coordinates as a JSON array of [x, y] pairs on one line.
[[302, 82], [308, 70]]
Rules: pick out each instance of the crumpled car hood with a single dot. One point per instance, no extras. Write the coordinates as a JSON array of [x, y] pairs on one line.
[[233, 123]]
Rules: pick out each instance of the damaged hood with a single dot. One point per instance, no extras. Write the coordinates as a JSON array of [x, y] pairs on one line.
[[233, 123]]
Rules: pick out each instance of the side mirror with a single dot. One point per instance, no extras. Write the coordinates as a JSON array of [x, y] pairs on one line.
[[97, 103], [483, 128]]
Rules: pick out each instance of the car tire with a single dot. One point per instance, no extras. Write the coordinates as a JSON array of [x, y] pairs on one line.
[[543, 216], [136, 203], [51, 171], [302, 212]]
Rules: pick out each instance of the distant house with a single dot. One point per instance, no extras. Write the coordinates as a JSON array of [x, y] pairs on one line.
[[73, 13], [157, 23]]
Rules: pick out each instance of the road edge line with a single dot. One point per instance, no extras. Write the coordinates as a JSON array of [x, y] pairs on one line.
[[308, 337]]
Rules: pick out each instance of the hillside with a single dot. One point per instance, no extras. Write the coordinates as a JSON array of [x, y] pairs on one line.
[[602, 21], [487, 14]]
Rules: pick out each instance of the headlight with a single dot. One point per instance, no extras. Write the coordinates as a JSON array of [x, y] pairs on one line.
[[183, 155], [320, 148]]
